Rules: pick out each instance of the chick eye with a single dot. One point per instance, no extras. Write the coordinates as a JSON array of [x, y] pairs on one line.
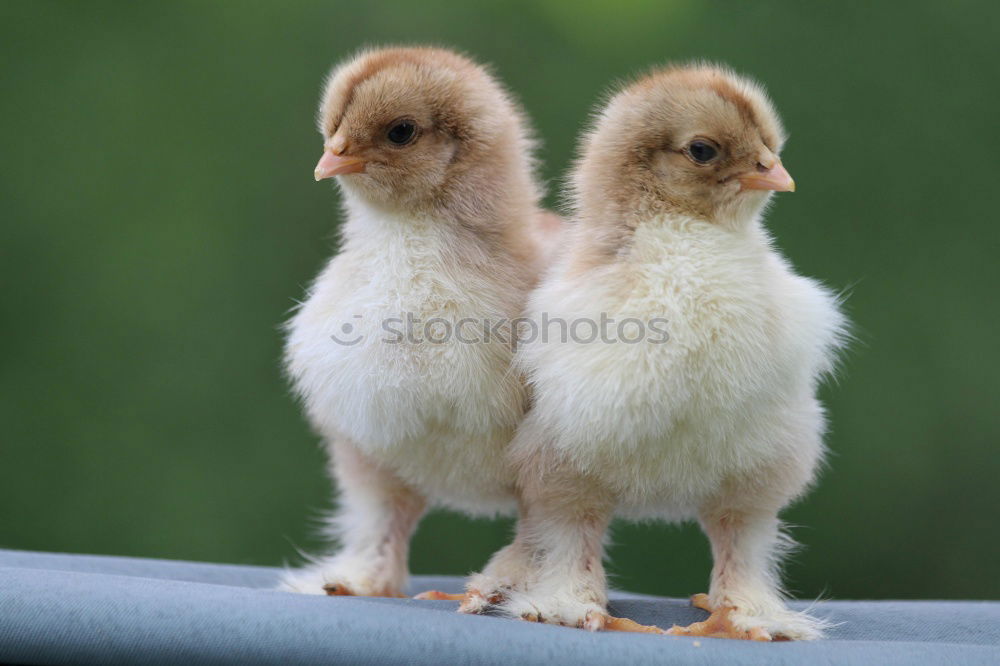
[[402, 133], [702, 152]]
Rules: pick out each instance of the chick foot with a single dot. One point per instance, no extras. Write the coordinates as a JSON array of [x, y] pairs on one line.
[[339, 577], [720, 625], [731, 622], [551, 609]]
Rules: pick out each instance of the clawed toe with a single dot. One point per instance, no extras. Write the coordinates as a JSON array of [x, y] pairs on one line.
[[341, 590], [625, 624], [476, 602], [436, 595], [337, 590], [700, 600], [472, 601], [594, 621]]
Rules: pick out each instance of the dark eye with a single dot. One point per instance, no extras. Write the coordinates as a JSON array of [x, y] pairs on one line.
[[702, 152], [402, 132]]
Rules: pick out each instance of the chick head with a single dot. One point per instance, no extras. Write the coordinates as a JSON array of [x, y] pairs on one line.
[[419, 128], [698, 140]]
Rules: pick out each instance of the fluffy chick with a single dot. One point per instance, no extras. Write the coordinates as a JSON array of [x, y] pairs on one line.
[[712, 414], [442, 236]]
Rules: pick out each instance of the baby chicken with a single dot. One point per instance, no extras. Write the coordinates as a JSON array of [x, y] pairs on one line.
[[699, 400], [397, 352]]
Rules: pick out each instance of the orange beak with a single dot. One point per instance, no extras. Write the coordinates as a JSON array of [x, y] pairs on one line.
[[775, 178], [331, 165]]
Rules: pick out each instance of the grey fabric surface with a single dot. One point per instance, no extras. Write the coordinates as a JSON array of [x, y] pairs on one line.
[[75, 609]]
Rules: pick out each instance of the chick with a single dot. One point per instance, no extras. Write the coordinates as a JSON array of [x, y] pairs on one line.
[[699, 402], [398, 352]]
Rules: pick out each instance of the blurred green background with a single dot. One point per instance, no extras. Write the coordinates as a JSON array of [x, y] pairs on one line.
[[159, 217]]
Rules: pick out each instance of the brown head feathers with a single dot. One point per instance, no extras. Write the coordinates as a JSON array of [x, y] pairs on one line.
[[682, 140], [428, 131]]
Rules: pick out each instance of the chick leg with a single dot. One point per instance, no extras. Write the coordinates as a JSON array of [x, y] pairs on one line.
[[560, 576], [553, 571], [483, 590], [744, 598], [374, 521]]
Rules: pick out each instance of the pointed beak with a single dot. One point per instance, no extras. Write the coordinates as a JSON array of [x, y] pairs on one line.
[[775, 178], [331, 165]]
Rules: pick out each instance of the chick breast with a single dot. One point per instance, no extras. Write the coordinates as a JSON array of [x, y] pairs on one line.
[[439, 414], [730, 389]]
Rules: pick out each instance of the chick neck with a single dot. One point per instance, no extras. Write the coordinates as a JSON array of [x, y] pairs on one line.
[[488, 200]]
